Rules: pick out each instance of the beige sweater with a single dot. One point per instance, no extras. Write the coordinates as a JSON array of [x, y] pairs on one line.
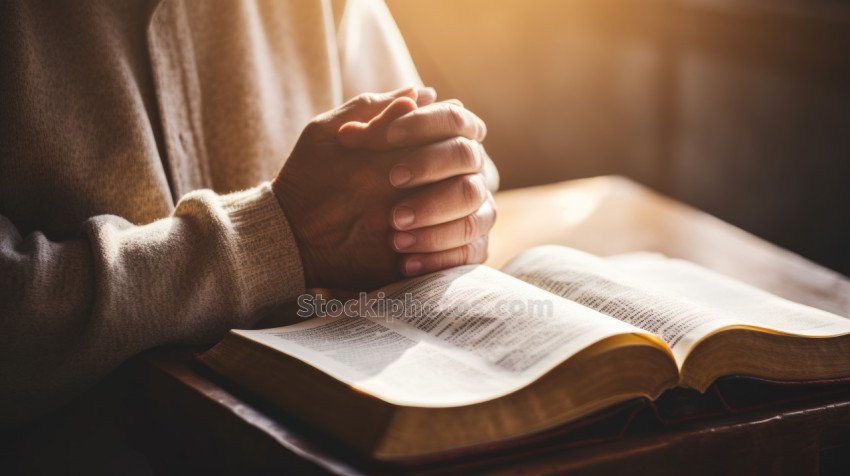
[[136, 139]]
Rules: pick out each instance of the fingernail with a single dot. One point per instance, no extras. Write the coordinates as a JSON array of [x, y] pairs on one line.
[[404, 240], [403, 217], [413, 266], [400, 175], [396, 134]]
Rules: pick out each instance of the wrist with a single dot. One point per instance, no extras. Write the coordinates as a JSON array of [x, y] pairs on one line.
[[288, 204], [265, 256]]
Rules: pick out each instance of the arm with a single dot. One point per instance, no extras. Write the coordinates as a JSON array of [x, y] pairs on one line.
[[71, 311]]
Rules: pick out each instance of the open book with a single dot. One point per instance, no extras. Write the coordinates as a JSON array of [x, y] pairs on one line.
[[473, 355]]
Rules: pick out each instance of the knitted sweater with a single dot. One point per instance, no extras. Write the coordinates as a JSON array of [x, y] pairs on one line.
[[136, 142]]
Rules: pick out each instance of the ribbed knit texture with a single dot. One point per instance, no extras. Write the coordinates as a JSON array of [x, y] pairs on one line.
[[265, 257]]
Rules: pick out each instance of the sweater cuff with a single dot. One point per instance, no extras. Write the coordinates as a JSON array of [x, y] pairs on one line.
[[267, 256]]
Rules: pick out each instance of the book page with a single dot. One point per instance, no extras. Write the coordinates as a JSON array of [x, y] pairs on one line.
[[482, 334], [750, 305], [677, 300]]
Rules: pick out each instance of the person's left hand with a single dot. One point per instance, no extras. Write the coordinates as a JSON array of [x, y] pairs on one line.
[[445, 219]]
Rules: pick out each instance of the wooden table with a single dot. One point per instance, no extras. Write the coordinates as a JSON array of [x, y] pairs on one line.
[[194, 421]]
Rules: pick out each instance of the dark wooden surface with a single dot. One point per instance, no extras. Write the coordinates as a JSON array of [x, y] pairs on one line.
[[193, 421]]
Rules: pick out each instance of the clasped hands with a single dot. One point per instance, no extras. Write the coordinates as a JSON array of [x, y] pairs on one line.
[[385, 186]]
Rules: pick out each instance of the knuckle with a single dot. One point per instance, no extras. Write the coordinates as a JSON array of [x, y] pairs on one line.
[[482, 126], [313, 127], [364, 99], [470, 227], [472, 189], [456, 118], [466, 152], [314, 123]]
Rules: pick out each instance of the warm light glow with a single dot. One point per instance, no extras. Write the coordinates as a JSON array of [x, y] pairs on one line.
[[573, 206]]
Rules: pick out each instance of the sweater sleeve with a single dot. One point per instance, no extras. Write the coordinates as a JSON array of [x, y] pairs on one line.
[[71, 311]]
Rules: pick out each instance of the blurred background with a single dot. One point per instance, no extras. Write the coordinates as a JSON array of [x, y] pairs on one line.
[[738, 107]]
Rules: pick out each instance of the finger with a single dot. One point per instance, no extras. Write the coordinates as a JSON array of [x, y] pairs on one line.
[[435, 122], [490, 172], [435, 162], [441, 202], [447, 235], [371, 134], [425, 96], [360, 108], [423, 263]]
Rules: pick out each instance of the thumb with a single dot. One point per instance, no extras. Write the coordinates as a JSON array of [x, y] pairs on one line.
[[373, 134]]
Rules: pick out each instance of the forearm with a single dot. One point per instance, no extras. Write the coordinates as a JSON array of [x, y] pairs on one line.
[[72, 311]]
